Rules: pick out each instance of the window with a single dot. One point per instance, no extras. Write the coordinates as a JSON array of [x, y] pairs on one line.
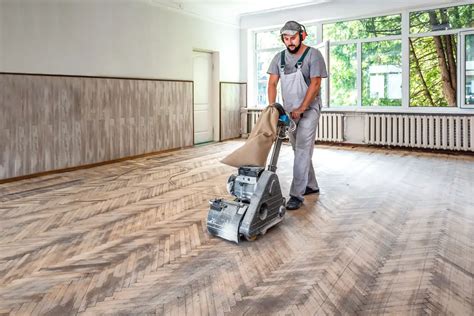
[[268, 40], [263, 61], [311, 39], [433, 55], [382, 73], [267, 44], [469, 71], [343, 75], [433, 71], [324, 92], [379, 73]]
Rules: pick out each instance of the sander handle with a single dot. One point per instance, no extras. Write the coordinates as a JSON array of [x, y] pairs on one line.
[[284, 121], [281, 132], [280, 108]]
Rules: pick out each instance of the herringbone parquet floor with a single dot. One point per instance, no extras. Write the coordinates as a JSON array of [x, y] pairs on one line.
[[392, 232]]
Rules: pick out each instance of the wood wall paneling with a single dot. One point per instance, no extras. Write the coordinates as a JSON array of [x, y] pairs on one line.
[[233, 97], [56, 122]]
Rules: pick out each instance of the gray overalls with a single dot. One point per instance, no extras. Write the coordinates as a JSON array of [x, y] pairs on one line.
[[294, 87]]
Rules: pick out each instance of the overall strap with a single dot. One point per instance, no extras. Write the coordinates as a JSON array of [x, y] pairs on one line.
[[282, 60], [300, 61]]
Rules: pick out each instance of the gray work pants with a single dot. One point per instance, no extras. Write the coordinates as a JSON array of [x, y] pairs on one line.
[[302, 141]]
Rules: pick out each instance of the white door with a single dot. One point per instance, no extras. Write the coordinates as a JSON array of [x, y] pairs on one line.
[[203, 123]]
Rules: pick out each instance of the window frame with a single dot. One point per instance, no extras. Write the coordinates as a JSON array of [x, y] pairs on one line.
[[265, 50], [462, 70], [324, 47], [359, 43]]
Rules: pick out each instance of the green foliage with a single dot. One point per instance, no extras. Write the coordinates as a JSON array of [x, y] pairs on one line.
[[423, 58], [363, 28], [442, 19], [383, 59], [343, 69]]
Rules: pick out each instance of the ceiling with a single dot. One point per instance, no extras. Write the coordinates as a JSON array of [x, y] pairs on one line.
[[230, 11]]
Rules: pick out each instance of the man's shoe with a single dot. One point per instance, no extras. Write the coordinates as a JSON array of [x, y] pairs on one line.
[[310, 191], [293, 203]]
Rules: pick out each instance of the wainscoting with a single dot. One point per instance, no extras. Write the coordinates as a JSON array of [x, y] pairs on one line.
[[233, 99], [54, 122]]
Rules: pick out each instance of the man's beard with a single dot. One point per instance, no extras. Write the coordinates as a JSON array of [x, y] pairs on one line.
[[294, 50]]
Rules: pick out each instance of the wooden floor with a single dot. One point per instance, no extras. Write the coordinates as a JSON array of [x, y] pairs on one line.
[[391, 232]]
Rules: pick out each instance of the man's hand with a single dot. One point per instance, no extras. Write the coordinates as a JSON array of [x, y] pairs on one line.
[[311, 93], [296, 114]]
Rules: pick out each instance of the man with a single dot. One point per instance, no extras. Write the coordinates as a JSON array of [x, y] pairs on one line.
[[300, 69]]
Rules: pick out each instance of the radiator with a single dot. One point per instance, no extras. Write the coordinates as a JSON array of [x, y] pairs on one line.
[[447, 132], [252, 116], [330, 127]]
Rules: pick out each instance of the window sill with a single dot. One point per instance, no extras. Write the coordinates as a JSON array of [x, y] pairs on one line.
[[412, 110]]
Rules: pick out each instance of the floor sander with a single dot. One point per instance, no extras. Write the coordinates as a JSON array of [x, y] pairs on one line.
[[258, 204]]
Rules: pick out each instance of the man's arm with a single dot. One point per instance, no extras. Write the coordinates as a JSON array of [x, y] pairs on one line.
[[311, 93], [272, 88]]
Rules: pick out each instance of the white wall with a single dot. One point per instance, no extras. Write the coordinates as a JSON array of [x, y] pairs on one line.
[[130, 38]]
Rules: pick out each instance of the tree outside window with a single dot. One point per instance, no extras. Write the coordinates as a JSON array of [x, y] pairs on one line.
[[433, 58]]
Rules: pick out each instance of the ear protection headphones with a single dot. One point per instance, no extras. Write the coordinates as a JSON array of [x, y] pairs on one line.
[[302, 32]]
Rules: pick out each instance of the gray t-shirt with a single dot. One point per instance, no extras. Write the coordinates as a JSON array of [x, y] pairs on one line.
[[313, 66]]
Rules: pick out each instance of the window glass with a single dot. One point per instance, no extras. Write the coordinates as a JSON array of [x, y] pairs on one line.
[[343, 70], [433, 71], [442, 19], [382, 73], [469, 70], [269, 39], [263, 61], [311, 39]]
